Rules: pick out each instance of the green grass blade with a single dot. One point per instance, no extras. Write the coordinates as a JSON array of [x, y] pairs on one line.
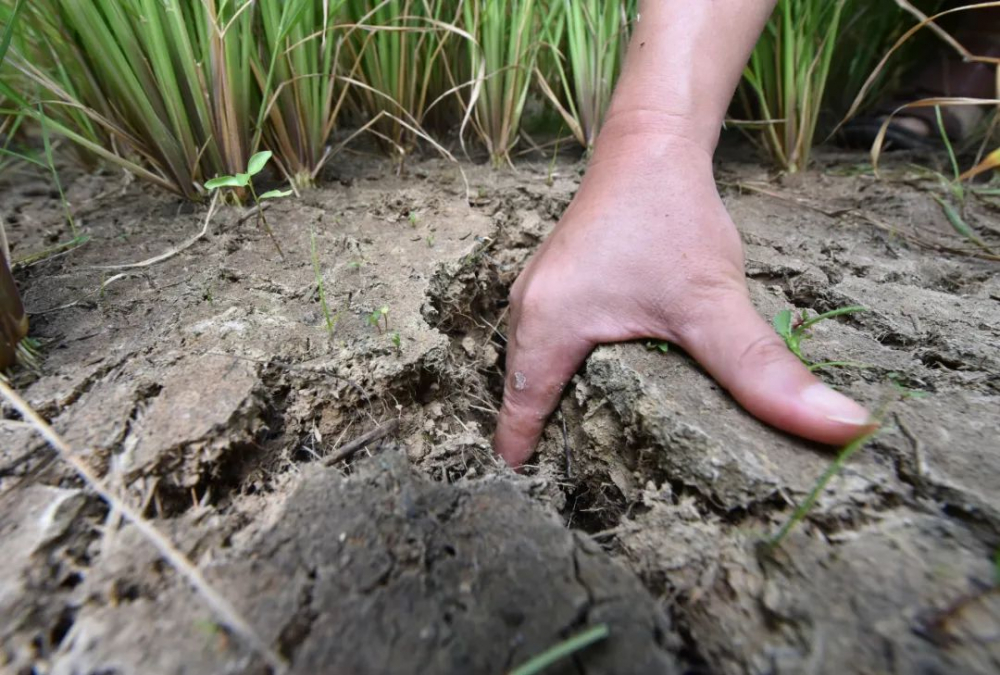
[[562, 650]]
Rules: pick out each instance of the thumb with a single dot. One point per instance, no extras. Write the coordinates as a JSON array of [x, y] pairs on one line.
[[747, 357], [537, 371]]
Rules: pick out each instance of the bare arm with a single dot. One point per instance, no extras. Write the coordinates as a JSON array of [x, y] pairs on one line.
[[647, 249]]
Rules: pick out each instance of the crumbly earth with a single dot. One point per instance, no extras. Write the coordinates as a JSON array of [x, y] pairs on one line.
[[209, 391]]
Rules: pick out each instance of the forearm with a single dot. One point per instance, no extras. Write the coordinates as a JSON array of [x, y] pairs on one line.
[[683, 65]]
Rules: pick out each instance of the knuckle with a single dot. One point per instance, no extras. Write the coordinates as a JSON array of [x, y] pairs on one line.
[[518, 415], [764, 352]]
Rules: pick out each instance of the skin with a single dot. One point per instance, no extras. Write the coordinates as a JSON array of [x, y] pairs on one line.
[[647, 250]]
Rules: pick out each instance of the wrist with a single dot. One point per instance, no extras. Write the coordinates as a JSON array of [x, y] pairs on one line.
[[640, 138]]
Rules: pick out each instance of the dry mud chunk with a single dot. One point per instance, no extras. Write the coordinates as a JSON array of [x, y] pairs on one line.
[[701, 439], [386, 572], [40, 543], [949, 446], [959, 333], [207, 406], [870, 602], [906, 593]]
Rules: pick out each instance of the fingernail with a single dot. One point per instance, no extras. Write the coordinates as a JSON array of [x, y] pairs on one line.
[[834, 406]]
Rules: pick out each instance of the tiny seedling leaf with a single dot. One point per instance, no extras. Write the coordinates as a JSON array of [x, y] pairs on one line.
[[783, 323], [275, 194], [239, 180], [258, 162]]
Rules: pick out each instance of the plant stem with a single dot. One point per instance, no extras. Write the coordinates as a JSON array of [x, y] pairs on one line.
[[331, 322], [261, 218]]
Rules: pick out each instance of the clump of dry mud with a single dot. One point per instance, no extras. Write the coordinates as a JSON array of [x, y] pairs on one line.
[[208, 392]]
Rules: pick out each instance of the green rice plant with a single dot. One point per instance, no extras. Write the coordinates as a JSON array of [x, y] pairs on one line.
[[163, 88], [502, 62], [402, 58], [298, 75], [869, 30], [785, 82], [588, 38]]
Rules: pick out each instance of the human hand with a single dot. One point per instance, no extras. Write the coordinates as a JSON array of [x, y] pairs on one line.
[[647, 250]]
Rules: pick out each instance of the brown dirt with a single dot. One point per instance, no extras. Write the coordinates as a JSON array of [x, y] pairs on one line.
[[206, 390]]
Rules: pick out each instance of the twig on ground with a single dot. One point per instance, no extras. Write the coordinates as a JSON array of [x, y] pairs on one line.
[[227, 614], [345, 451], [172, 252]]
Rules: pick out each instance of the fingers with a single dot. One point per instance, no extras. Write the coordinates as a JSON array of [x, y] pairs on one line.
[[746, 356], [540, 361]]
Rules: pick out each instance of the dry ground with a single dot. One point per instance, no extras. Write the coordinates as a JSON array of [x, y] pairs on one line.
[[207, 391]]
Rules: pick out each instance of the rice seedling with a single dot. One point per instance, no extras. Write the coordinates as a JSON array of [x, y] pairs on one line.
[[588, 39], [785, 82], [300, 84], [244, 181], [502, 63], [379, 317], [164, 89], [403, 58]]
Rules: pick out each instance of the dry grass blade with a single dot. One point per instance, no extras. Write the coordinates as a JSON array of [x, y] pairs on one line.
[[226, 613], [992, 161], [966, 54], [879, 143]]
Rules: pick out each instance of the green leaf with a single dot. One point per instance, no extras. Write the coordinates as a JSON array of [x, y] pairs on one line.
[[783, 323], [274, 194], [8, 31], [239, 180], [258, 162]]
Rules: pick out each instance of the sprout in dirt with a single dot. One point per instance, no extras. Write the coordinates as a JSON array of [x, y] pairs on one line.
[[794, 332], [397, 342], [243, 181], [379, 317]]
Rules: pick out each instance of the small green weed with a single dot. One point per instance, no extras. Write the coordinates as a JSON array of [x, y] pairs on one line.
[[562, 650], [331, 321], [658, 345], [244, 181], [793, 332], [905, 391], [379, 317], [397, 342], [806, 505]]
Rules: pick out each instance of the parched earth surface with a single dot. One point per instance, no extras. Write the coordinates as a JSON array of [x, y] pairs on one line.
[[207, 391]]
